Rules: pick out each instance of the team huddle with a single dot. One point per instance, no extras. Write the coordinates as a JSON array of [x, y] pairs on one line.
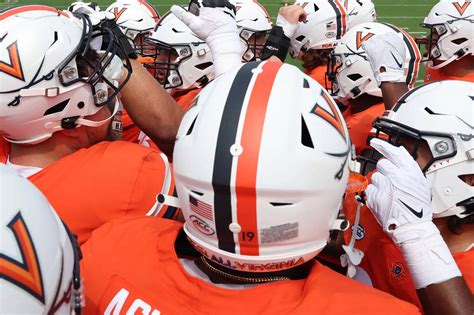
[[175, 164]]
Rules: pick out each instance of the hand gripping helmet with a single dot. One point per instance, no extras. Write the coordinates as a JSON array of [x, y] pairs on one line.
[[180, 59], [349, 68], [436, 120], [359, 11], [325, 24], [137, 19], [451, 25], [39, 258], [84, 7], [254, 25], [270, 165], [51, 78]]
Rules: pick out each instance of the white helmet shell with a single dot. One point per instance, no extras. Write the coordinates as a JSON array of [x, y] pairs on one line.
[[360, 11], [134, 17], [84, 7], [441, 114], [252, 18], [270, 165], [36, 253], [325, 24], [351, 69], [453, 22], [194, 65]]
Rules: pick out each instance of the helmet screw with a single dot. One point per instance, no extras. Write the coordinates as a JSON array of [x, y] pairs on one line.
[[236, 150], [441, 147], [448, 191], [235, 228]]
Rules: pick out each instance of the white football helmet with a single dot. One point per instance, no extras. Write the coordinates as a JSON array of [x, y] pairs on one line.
[[359, 11], [325, 24], [87, 8], [349, 69], [39, 258], [270, 165], [451, 38], [53, 78], [180, 60], [254, 25], [137, 19], [438, 118]]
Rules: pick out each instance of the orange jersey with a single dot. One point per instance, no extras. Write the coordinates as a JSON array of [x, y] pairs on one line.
[[95, 185], [185, 98], [433, 75], [383, 259], [318, 74], [130, 266], [360, 124]]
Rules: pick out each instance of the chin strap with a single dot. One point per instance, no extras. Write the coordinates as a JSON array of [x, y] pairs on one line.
[[458, 55], [353, 256], [92, 123]]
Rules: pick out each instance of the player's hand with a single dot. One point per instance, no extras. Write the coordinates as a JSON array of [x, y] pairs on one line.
[[289, 17], [399, 194], [215, 25], [386, 54]]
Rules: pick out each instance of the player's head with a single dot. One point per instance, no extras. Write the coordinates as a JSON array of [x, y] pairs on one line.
[[325, 24], [360, 11], [84, 7], [180, 60], [349, 69], [254, 25], [451, 26], [269, 168], [53, 78], [39, 257], [137, 19], [434, 123]]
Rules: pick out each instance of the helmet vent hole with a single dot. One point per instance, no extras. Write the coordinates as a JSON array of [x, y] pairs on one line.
[[300, 38], [197, 193], [468, 179], [204, 65], [281, 204], [57, 108], [305, 136], [459, 41], [190, 130], [354, 77], [316, 8], [305, 84]]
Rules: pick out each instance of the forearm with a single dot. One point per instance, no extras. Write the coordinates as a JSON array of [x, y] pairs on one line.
[[449, 297], [151, 108], [392, 92]]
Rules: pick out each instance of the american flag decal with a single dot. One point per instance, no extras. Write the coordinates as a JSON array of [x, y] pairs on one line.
[[201, 208]]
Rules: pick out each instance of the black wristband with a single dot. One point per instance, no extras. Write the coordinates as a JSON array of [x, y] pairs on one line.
[[277, 44]]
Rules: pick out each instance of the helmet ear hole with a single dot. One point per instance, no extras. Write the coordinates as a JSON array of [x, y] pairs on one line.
[[57, 108], [459, 41], [191, 128], [354, 77]]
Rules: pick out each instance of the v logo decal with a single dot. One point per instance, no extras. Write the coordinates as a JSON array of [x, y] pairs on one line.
[[13, 68], [461, 9], [27, 273], [118, 12], [360, 40]]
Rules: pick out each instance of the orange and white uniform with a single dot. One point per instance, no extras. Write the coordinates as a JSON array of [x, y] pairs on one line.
[[108, 180], [131, 267], [186, 98], [318, 74], [360, 125], [433, 75], [383, 260]]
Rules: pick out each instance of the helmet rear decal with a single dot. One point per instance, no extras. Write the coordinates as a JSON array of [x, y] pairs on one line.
[[27, 273], [461, 9], [13, 67], [153, 11], [247, 164], [222, 169], [341, 22]]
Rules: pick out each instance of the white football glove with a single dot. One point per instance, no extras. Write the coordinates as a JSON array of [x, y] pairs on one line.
[[400, 199], [386, 51], [288, 28], [218, 28]]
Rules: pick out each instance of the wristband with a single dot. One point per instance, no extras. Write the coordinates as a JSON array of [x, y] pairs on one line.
[[277, 44]]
